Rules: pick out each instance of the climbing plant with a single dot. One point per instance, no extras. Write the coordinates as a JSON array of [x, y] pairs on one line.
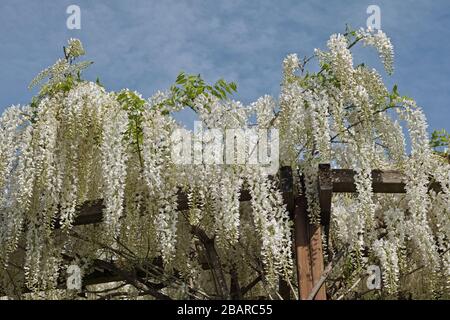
[[76, 143]]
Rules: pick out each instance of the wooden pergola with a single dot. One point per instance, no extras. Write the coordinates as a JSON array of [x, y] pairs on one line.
[[308, 239]]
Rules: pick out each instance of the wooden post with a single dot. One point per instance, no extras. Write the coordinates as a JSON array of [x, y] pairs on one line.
[[309, 251], [325, 197], [304, 273], [316, 253], [325, 193]]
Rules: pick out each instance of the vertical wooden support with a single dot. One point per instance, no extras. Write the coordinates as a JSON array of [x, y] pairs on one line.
[[309, 252], [316, 253], [304, 273], [325, 195]]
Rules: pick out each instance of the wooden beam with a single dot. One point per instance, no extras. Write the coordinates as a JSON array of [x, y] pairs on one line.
[[101, 275], [88, 213], [387, 181], [91, 212], [383, 181]]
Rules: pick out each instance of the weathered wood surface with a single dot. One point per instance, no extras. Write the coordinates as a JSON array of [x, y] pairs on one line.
[[387, 181], [302, 250], [317, 261], [91, 212], [309, 251]]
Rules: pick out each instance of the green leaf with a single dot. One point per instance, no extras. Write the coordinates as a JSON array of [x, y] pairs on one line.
[[395, 90]]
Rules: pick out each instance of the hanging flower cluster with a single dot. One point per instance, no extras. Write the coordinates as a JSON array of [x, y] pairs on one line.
[[77, 143], [343, 115], [382, 43]]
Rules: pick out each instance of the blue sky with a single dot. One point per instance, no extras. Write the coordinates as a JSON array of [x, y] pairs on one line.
[[142, 45]]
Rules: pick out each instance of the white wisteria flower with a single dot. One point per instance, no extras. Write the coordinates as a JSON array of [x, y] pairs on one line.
[[78, 146]]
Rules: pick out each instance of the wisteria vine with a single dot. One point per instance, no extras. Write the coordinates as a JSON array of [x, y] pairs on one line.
[[76, 143]]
